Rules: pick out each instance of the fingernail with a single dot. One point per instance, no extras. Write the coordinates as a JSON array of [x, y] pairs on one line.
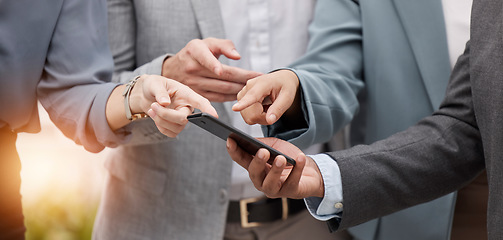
[[272, 118], [261, 154], [278, 163], [164, 100], [236, 105], [235, 52], [155, 106], [151, 113]]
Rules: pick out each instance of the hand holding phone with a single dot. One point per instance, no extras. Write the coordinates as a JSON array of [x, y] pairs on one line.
[[248, 143]]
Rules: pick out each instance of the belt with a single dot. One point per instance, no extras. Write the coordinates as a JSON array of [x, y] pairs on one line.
[[253, 212]]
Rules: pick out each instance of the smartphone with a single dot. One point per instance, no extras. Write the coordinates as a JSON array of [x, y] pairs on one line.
[[246, 142]]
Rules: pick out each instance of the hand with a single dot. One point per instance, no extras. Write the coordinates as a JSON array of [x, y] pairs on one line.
[[266, 98], [167, 102], [197, 66], [279, 179]]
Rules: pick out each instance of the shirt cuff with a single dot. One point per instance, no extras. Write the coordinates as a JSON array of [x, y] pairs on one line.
[[330, 206]]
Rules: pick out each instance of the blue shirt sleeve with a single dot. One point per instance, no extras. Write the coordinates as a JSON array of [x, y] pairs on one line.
[[330, 206]]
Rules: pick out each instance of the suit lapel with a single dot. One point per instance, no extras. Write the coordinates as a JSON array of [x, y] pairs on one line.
[[424, 24], [209, 18]]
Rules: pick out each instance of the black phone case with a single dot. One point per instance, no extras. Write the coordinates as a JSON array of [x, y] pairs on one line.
[[223, 131]]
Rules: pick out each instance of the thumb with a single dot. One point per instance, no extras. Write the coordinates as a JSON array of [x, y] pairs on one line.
[[223, 46], [157, 89], [163, 98], [231, 53], [161, 95], [206, 55]]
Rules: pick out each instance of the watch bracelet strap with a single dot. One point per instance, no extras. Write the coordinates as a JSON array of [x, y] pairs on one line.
[[127, 91]]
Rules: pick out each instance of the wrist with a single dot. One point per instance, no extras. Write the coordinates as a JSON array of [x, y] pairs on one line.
[[318, 191], [321, 189], [136, 97], [294, 109], [133, 97], [165, 68]]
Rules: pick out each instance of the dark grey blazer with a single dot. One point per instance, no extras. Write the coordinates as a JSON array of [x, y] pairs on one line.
[[445, 151]]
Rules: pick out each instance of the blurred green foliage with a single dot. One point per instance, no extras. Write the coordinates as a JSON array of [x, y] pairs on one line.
[[56, 216]]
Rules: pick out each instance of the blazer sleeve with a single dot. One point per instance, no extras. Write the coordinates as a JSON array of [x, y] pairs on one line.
[[122, 35], [439, 155], [75, 83], [330, 74]]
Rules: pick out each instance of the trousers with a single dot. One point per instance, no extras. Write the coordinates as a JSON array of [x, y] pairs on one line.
[[301, 226], [11, 212]]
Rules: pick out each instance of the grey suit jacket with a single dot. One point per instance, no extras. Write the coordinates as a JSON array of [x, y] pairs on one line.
[[398, 48], [445, 151], [159, 187], [43, 57]]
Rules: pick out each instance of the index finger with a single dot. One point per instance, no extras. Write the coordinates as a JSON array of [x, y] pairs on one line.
[[183, 96], [254, 94], [197, 101], [279, 107]]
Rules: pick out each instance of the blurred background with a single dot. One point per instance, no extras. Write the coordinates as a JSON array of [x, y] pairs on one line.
[[61, 184]]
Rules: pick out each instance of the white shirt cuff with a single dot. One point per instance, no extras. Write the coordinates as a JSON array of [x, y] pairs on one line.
[[330, 206]]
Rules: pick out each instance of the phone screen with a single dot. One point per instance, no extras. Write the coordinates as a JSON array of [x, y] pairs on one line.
[[246, 142]]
